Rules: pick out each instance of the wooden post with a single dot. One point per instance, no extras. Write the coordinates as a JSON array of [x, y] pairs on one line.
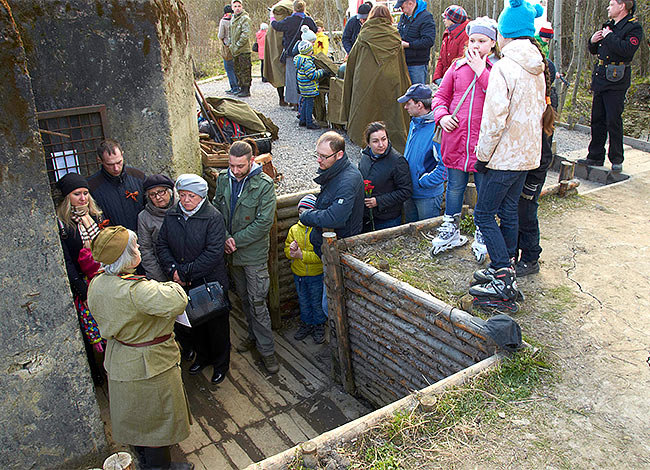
[[310, 455], [428, 403], [566, 171], [336, 307], [471, 195], [564, 187], [119, 461], [274, 286]]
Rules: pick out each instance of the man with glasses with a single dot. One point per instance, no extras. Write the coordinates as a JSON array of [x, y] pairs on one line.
[[339, 205], [117, 188]]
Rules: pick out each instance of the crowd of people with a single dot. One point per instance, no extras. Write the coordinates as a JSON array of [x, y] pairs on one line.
[[135, 245]]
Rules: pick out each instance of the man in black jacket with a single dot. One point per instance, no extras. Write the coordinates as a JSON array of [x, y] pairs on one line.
[[418, 32], [339, 205], [117, 188], [353, 26], [615, 46]]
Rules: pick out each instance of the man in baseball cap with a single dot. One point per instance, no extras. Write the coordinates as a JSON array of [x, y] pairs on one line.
[[428, 174]]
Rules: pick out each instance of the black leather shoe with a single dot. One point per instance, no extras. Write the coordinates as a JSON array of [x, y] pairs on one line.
[[589, 162], [217, 377], [196, 368]]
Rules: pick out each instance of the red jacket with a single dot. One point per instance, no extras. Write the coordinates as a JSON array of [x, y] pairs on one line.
[[453, 45], [260, 38], [458, 146]]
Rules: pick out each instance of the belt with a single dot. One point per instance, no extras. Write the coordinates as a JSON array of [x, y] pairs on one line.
[[158, 340], [602, 62]]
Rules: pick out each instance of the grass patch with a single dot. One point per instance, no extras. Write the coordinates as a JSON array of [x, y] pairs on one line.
[[554, 205], [411, 438], [466, 225]]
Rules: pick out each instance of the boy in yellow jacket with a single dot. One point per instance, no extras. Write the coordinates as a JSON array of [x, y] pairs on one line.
[[307, 270]]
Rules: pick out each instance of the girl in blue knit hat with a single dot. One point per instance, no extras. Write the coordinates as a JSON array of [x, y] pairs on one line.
[[516, 110]]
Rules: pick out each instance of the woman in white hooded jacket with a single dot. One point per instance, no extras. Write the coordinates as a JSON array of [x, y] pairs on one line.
[[514, 114]]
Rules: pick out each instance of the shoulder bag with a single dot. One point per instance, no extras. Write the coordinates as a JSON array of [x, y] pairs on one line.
[[285, 53], [437, 135], [205, 302]]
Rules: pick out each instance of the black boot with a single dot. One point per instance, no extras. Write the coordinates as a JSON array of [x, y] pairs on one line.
[[245, 92], [503, 286], [157, 458], [141, 455], [281, 96]]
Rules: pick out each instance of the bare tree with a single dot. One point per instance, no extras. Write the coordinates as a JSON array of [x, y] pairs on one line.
[[557, 28]]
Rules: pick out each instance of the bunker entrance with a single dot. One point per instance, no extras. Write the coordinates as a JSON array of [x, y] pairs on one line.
[[387, 339]]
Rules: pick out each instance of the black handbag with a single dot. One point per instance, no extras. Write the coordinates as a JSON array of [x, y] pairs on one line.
[[206, 302]]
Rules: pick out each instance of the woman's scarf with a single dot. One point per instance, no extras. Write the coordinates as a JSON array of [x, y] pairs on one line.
[[87, 227], [187, 214]]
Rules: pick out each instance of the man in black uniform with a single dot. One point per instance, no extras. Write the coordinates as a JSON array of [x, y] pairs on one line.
[[615, 46]]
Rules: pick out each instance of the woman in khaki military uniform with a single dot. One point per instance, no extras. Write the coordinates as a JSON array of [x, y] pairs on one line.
[[148, 405]]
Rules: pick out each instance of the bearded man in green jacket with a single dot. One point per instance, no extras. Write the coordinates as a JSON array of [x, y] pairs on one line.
[[245, 196]]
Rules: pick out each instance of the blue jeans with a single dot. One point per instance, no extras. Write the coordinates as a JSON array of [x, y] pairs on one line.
[[418, 73], [529, 228], [310, 297], [500, 191], [229, 65], [420, 209], [380, 224], [306, 110], [456, 184]]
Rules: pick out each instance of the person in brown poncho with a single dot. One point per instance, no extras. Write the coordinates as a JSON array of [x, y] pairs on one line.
[[375, 76]]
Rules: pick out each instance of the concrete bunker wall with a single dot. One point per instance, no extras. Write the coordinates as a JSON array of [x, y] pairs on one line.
[[47, 403], [132, 56]]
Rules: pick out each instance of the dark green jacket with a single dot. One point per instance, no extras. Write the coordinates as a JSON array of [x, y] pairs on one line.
[[240, 34], [252, 219]]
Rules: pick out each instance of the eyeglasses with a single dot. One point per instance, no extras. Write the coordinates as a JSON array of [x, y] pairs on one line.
[[157, 194], [324, 157]]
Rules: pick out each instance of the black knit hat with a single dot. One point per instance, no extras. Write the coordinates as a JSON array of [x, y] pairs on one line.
[[227, 9], [152, 181], [70, 182]]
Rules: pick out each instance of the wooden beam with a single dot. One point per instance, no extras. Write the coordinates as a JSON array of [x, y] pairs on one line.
[[336, 307], [274, 286], [354, 429]]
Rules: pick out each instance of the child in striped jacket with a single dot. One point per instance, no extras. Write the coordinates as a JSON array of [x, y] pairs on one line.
[[308, 76]]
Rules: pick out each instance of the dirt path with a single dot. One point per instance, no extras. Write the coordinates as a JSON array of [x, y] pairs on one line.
[[596, 268]]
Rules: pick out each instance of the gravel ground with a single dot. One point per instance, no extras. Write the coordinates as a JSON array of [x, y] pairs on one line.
[[292, 152]]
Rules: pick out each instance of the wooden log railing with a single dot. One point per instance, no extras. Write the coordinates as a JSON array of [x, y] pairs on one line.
[[389, 338]]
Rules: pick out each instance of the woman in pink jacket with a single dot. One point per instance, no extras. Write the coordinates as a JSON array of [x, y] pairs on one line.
[[260, 38], [463, 88]]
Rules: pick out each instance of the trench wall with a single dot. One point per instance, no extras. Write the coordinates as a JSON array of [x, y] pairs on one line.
[[400, 338], [287, 215], [132, 56], [49, 414]]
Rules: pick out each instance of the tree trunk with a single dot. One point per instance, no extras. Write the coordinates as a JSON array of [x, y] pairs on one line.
[[557, 29], [341, 10], [577, 50]]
